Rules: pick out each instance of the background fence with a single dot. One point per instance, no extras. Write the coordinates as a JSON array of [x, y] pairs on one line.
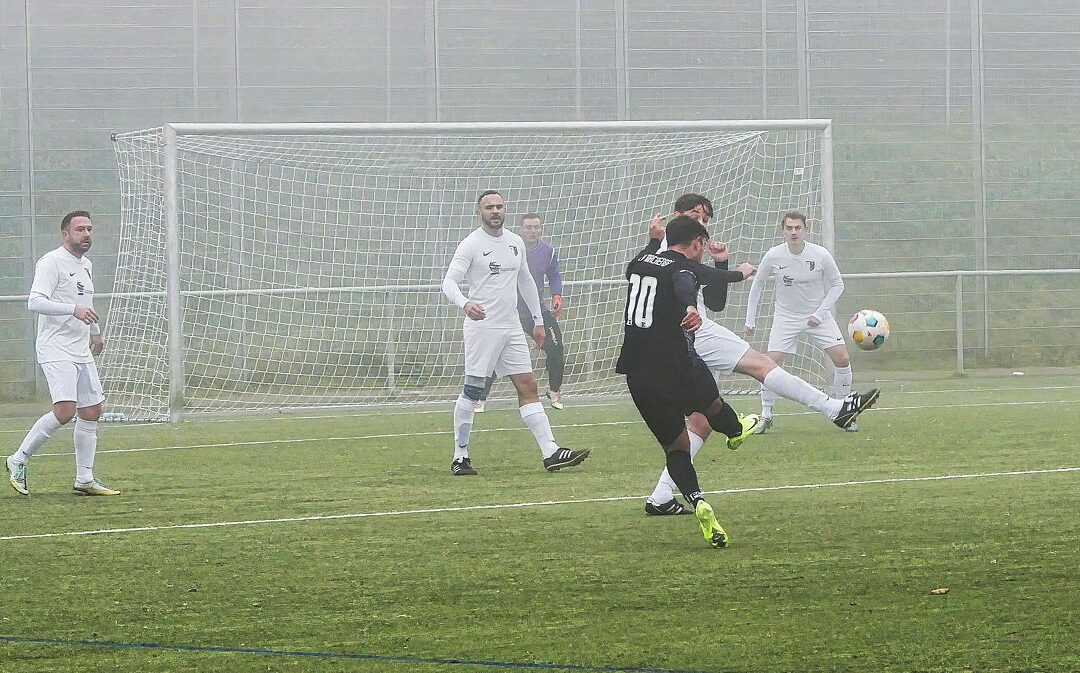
[[957, 144]]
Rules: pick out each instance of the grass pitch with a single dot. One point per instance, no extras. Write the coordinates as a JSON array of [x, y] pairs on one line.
[[832, 572]]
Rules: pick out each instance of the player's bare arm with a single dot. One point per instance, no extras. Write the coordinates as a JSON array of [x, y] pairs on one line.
[[97, 344], [474, 311], [85, 314]]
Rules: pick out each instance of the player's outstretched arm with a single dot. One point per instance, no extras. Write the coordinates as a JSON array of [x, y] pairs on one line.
[[716, 283]]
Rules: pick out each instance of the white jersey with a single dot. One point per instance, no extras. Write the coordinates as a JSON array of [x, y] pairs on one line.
[[806, 284], [66, 279], [496, 271]]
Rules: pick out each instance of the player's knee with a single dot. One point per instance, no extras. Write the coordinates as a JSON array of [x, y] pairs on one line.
[[472, 392], [64, 412], [699, 425], [90, 413]]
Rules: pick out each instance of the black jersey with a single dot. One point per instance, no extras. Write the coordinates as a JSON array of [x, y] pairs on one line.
[[660, 287]]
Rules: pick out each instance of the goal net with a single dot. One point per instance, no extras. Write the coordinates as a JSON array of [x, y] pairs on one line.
[[308, 258]]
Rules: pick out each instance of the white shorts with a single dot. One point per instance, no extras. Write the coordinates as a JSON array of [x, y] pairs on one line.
[[76, 382], [719, 347], [786, 330], [501, 350]]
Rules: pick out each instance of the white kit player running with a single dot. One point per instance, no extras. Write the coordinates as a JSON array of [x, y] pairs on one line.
[[68, 338], [492, 261], [807, 287], [725, 352]]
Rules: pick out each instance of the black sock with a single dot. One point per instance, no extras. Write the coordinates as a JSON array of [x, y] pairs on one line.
[[684, 475], [725, 421]]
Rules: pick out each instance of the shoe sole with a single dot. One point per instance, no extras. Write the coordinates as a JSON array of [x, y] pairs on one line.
[[576, 460], [682, 511], [866, 405], [465, 474], [96, 493], [557, 405]]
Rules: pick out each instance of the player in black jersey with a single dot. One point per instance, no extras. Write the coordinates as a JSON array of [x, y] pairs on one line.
[[667, 379]]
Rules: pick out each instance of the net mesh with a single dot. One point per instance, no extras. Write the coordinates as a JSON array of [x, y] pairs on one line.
[[311, 265]]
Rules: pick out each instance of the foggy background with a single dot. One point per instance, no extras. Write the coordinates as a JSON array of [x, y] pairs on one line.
[[956, 122]]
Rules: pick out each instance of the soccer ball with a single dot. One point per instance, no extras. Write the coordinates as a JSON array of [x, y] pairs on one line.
[[868, 329]]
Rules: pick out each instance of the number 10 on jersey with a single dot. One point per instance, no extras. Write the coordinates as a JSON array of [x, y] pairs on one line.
[[639, 305]]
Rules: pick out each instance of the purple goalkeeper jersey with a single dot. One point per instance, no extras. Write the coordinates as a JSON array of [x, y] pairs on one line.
[[543, 263]]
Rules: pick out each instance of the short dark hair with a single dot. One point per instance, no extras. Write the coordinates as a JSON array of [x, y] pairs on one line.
[[792, 215], [66, 222], [683, 230], [688, 202], [531, 216], [488, 192]]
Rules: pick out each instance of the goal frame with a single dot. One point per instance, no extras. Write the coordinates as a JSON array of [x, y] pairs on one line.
[[172, 131]]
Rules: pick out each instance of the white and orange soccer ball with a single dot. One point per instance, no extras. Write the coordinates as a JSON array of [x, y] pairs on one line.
[[868, 329]]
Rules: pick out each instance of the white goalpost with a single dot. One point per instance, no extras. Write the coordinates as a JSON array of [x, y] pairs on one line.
[[275, 266]]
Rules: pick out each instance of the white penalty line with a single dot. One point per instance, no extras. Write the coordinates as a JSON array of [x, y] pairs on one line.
[[330, 415], [545, 503], [436, 433]]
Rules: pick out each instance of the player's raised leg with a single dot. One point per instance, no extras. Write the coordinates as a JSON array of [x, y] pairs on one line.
[[840, 412]]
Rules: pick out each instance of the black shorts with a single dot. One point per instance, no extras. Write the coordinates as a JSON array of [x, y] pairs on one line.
[[666, 398]]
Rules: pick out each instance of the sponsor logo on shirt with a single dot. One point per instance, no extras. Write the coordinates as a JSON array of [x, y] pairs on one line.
[[81, 288], [495, 268], [789, 281]]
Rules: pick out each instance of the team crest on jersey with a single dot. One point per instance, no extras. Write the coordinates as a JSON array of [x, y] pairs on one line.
[[810, 262], [513, 249], [495, 268]]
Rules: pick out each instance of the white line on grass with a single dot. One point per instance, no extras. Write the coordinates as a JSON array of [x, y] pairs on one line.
[[380, 413], [546, 503], [435, 433]]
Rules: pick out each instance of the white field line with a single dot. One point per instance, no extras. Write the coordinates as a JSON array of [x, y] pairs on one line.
[[435, 433], [286, 416], [546, 503]]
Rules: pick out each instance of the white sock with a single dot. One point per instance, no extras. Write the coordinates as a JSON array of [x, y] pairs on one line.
[[85, 447], [536, 419], [768, 399], [40, 431], [666, 488], [793, 388], [464, 410], [841, 382]]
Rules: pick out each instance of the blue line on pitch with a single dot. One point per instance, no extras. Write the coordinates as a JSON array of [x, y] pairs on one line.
[[337, 655]]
